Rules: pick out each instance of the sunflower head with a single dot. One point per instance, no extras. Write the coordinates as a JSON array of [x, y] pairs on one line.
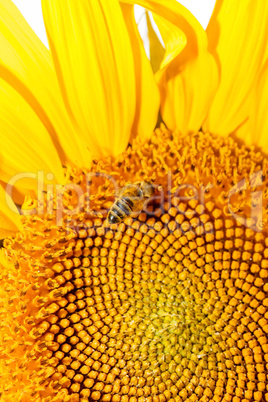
[[167, 305]]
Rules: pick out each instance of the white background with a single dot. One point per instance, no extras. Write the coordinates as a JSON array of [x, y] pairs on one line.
[[31, 9]]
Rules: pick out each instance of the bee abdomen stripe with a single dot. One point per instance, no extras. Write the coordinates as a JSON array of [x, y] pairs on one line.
[[129, 202], [123, 206], [117, 211]]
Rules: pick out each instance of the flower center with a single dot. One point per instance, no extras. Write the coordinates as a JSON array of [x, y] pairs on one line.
[[168, 305]]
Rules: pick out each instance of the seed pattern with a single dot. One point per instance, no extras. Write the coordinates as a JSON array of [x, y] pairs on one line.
[[170, 305]]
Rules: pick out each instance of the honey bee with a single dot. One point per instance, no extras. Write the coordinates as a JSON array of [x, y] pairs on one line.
[[130, 199]]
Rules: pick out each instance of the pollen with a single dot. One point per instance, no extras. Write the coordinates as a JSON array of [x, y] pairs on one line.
[[168, 305]]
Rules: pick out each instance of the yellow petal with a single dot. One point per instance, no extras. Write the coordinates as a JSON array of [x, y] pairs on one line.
[[187, 95], [237, 36], [171, 16], [175, 13], [147, 93], [190, 80], [174, 38], [26, 64], [94, 62], [9, 216], [26, 147], [258, 120], [189, 77], [157, 51]]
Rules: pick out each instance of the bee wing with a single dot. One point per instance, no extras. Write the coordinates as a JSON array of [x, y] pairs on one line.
[[129, 189], [118, 192]]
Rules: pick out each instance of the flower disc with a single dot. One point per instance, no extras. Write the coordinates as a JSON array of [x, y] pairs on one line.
[[168, 305]]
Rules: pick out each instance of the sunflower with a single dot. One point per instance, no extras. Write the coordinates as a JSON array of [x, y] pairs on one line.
[[170, 303]]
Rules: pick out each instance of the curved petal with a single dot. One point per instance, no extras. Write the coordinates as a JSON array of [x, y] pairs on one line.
[[237, 35], [10, 221], [94, 62], [26, 64], [26, 147], [174, 38], [147, 93], [156, 48], [187, 89], [189, 80], [178, 15], [258, 118]]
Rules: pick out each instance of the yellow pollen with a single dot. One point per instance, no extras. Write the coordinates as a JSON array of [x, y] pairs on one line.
[[169, 305]]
